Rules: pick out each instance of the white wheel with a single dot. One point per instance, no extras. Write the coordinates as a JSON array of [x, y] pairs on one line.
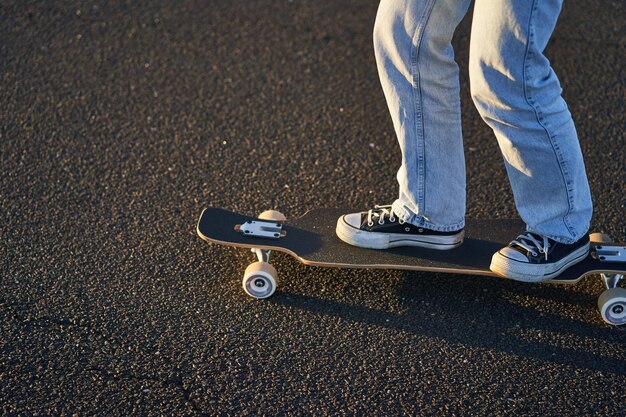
[[259, 280], [612, 305], [600, 238], [272, 215]]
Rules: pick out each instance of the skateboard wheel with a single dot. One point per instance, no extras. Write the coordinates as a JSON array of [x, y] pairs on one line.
[[600, 238], [259, 280], [612, 305], [272, 215]]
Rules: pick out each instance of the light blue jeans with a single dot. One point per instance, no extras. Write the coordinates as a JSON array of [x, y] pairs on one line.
[[516, 92]]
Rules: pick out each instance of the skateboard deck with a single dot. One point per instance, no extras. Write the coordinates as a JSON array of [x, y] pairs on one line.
[[311, 240]]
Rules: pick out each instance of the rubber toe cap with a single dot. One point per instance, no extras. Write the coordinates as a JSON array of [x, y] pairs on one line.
[[513, 254], [353, 219]]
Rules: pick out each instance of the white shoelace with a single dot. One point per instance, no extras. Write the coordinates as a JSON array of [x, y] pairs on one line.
[[384, 211], [532, 245]]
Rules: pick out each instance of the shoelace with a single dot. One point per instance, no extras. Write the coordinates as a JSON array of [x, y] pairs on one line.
[[383, 211], [531, 244]]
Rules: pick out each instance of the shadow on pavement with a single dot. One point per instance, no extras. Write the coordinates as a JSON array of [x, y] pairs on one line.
[[487, 316]]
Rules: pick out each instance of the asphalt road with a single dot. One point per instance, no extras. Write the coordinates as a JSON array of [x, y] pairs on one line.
[[120, 122]]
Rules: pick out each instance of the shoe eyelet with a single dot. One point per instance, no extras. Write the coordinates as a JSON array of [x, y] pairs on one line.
[[381, 221], [533, 253], [392, 219], [421, 230], [407, 229], [370, 224]]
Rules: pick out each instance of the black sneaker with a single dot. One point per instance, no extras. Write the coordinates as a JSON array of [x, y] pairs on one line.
[[534, 258], [380, 228]]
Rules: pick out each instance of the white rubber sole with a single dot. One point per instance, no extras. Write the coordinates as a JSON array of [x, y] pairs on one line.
[[374, 240], [522, 271]]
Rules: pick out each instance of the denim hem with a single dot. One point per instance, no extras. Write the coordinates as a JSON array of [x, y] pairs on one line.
[[421, 221], [560, 239]]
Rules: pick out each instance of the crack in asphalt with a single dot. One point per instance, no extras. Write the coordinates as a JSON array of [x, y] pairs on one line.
[[175, 381]]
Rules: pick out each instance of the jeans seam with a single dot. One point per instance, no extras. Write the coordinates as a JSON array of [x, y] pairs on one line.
[[541, 121], [418, 110]]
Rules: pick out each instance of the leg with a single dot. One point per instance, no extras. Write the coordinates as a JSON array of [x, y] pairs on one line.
[[412, 43], [518, 94]]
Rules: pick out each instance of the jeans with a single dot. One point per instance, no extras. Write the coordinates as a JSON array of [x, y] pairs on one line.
[[516, 93]]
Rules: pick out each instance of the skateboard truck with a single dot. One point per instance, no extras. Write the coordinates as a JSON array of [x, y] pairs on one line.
[[610, 253], [604, 253], [258, 228]]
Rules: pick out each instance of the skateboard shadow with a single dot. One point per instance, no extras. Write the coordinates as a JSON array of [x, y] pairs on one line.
[[486, 313]]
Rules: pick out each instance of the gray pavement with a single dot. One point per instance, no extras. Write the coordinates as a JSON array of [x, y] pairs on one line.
[[120, 122]]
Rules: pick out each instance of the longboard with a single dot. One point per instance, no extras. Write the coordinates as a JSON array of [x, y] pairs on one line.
[[311, 240]]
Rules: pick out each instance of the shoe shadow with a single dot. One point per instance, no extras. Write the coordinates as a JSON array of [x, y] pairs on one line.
[[472, 254]]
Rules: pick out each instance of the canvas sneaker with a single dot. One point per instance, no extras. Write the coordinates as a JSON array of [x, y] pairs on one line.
[[381, 228], [535, 258]]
